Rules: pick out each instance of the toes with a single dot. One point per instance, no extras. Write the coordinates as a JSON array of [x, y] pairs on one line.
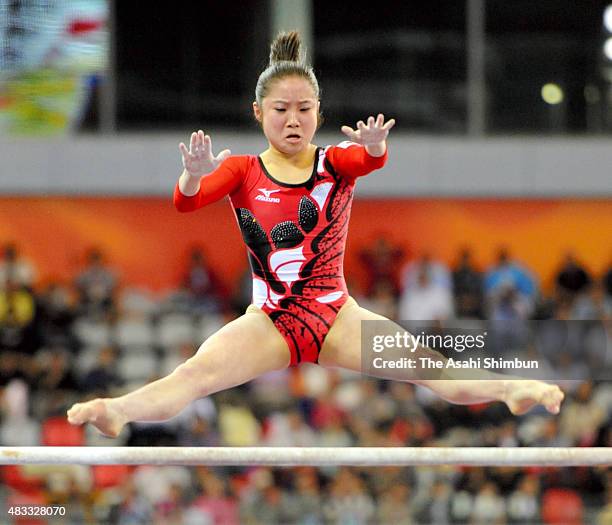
[[553, 403], [75, 416], [560, 395], [80, 413]]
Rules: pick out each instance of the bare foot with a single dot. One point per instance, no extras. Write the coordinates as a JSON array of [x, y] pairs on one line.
[[522, 395], [101, 413]]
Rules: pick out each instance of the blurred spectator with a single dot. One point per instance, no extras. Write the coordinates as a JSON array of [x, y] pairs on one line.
[[601, 303], [289, 430], [462, 503], [271, 392], [162, 488], [134, 508], [18, 319], [306, 501], [550, 435], [96, 286], [334, 433], [382, 300], [507, 304], [572, 278], [381, 262], [103, 376], [489, 506], [15, 268], [509, 286], [348, 501], [436, 507], [203, 286], [467, 287], [523, 503], [214, 505], [510, 272], [198, 431], [266, 502], [169, 509], [11, 367], [427, 299], [582, 417], [55, 372], [394, 507], [507, 435], [17, 428], [406, 404], [325, 410], [376, 406], [57, 314], [237, 424], [438, 273]]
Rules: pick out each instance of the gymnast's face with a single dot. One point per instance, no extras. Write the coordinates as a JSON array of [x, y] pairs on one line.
[[288, 114]]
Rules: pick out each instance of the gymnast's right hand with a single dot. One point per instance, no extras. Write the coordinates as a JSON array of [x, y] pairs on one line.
[[199, 160]]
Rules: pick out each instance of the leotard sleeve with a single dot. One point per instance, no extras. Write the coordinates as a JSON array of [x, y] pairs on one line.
[[351, 160], [226, 179]]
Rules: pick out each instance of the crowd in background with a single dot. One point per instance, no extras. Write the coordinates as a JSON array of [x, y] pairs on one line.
[[98, 337]]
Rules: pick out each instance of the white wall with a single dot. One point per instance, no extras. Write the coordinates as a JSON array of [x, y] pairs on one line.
[[418, 166]]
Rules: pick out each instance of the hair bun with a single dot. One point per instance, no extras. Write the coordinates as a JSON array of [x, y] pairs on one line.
[[286, 47]]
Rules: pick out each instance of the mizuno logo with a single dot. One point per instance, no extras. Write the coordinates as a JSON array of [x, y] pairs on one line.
[[266, 195]]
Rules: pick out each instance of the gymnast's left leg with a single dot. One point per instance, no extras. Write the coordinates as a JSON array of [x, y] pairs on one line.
[[342, 349]]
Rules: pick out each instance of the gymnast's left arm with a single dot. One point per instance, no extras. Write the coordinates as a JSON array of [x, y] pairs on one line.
[[352, 161]]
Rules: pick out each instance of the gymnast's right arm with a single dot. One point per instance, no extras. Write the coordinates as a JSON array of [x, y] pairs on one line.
[[206, 178]]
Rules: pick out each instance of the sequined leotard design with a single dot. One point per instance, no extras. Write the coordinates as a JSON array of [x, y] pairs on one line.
[[295, 236]]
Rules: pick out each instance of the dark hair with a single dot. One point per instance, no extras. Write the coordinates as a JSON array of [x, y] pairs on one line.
[[286, 60]]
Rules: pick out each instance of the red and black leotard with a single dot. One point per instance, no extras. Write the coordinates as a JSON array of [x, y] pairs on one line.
[[295, 236]]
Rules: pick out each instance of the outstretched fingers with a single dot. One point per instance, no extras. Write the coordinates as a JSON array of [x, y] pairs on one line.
[[223, 155], [199, 144], [206, 143], [389, 124], [349, 132], [193, 143], [198, 159], [371, 128]]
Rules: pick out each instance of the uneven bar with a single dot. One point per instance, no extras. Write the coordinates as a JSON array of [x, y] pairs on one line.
[[313, 456]]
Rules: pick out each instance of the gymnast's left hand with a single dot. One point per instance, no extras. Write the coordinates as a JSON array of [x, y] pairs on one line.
[[372, 133]]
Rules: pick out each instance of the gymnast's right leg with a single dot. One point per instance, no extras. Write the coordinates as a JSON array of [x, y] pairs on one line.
[[240, 351]]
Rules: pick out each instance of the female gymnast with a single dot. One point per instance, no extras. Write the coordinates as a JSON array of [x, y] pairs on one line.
[[292, 204]]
